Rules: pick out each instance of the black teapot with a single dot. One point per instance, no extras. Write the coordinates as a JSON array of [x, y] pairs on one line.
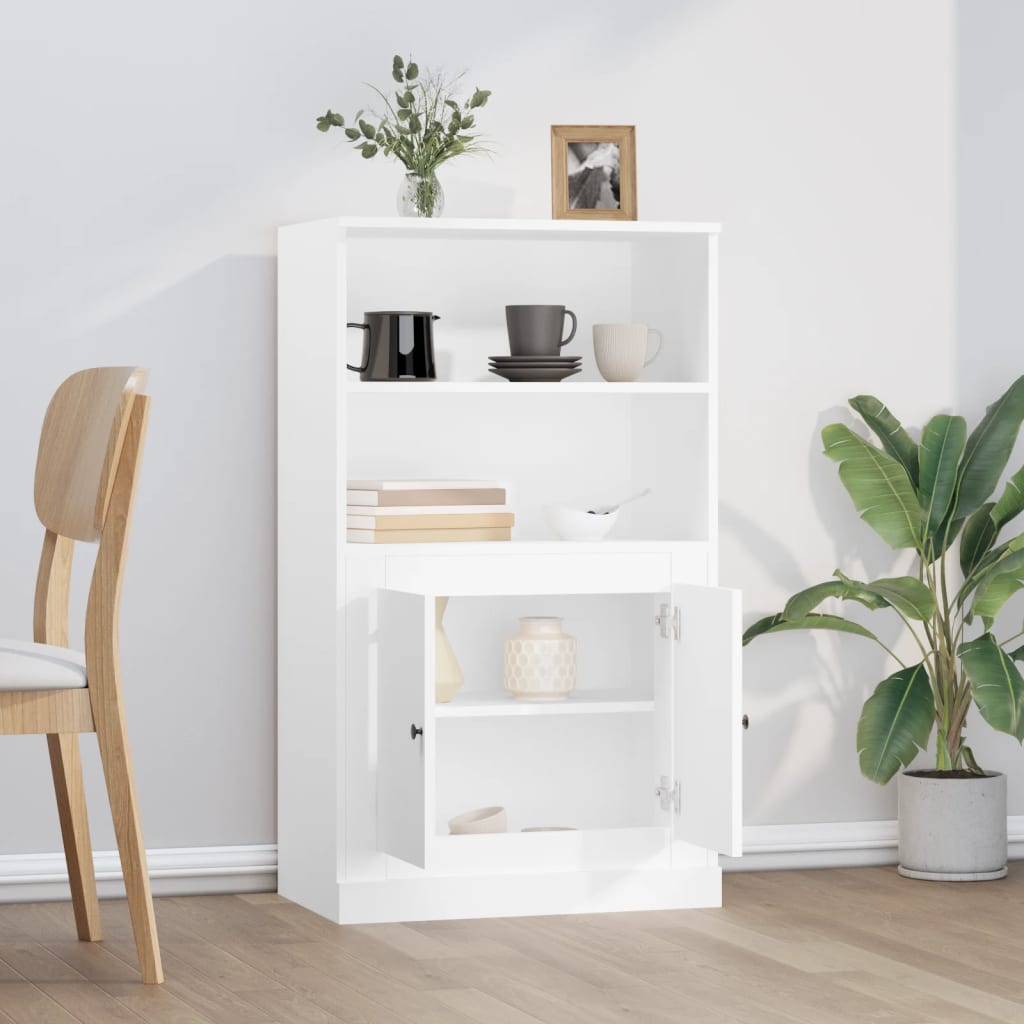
[[397, 346]]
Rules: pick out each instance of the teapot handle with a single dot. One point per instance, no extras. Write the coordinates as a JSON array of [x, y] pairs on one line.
[[366, 350]]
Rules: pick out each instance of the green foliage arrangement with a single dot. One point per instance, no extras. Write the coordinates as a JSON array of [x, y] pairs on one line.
[[423, 125], [934, 498]]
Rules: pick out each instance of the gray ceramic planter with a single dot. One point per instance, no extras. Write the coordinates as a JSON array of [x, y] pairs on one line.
[[952, 829]]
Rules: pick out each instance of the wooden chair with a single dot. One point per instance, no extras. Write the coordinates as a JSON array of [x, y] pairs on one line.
[[89, 456]]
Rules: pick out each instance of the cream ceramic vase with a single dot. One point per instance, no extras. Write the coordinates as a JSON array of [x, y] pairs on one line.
[[447, 674], [540, 660]]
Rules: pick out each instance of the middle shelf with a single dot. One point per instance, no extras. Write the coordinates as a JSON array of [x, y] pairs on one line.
[[582, 702], [549, 450]]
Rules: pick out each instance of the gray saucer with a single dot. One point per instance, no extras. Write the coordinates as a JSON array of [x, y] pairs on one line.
[[535, 374]]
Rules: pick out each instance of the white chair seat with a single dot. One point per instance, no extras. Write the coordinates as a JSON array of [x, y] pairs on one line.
[[28, 666]]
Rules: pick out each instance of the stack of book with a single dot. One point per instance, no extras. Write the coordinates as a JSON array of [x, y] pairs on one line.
[[427, 511]]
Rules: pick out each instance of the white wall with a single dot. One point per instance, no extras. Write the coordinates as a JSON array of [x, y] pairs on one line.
[[990, 207], [149, 154], [990, 225]]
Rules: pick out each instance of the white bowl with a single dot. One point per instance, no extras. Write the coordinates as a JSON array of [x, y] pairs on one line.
[[484, 819], [578, 524]]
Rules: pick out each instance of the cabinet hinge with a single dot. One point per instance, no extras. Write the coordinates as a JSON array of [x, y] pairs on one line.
[[668, 795], [669, 618]]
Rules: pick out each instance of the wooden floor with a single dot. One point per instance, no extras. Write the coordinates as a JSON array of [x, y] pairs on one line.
[[809, 946]]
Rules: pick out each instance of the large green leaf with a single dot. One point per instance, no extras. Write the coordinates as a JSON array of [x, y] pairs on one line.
[[995, 590], [879, 486], [1007, 557], [997, 558], [1011, 501], [988, 449], [895, 723], [778, 624], [996, 684], [980, 533], [807, 600], [942, 444], [906, 594], [895, 440]]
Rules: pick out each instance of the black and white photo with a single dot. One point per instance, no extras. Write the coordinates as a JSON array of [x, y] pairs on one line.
[[593, 175]]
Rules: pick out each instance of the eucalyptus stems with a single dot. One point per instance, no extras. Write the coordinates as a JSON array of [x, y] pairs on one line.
[[924, 497], [423, 124]]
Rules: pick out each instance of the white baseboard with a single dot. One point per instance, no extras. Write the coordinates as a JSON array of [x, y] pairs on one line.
[[834, 844], [31, 877]]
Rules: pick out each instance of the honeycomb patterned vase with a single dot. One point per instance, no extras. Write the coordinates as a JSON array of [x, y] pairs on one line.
[[540, 660]]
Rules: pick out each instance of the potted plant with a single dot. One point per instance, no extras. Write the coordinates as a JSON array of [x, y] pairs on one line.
[[934, 497], [424, 126]]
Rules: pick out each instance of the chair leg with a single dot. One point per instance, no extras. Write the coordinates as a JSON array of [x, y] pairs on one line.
[[66, 764], [124, 807]]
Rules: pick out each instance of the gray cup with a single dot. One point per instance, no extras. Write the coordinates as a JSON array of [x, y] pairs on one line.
[[537, 330]]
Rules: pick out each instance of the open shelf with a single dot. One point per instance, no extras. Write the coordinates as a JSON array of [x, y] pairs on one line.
[[574, 445], [466, 275], [582, 702], [495, 386]]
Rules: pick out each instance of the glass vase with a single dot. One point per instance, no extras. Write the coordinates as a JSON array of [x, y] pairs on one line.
[[420, 196]]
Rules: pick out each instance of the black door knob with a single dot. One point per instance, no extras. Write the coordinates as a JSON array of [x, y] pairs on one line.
[[414, 732], [746, 722]]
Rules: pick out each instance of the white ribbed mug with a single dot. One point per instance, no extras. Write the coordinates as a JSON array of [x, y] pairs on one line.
[[621, 349]]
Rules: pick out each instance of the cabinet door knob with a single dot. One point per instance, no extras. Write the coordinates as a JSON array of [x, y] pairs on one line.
[[745, 721], [414, 731]]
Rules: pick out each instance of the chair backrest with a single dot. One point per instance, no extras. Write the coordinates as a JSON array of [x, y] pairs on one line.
[[86, 474], [79, 449]]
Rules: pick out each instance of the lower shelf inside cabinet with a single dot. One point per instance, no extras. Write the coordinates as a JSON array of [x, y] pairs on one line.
[[556, 771], [584, 849], [518, 853]]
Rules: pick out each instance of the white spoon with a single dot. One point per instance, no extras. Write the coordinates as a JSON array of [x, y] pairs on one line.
[[604, 510]]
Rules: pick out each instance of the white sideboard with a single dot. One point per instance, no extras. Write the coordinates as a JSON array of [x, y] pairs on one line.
[[642, 765]]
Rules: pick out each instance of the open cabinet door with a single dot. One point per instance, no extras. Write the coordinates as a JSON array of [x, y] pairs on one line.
[[405, 675], [707, 727]]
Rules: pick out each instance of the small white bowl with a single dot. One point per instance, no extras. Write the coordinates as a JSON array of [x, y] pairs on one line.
[[484, 819], [578, 524]]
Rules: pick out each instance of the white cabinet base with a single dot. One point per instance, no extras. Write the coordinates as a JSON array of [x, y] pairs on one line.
[[433, 898]]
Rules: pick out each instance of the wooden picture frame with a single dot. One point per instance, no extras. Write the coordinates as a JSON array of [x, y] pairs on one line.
[[592, 196]]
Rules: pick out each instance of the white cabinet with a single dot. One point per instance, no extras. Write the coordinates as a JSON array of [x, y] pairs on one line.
[[641, 767], [595, 761]]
